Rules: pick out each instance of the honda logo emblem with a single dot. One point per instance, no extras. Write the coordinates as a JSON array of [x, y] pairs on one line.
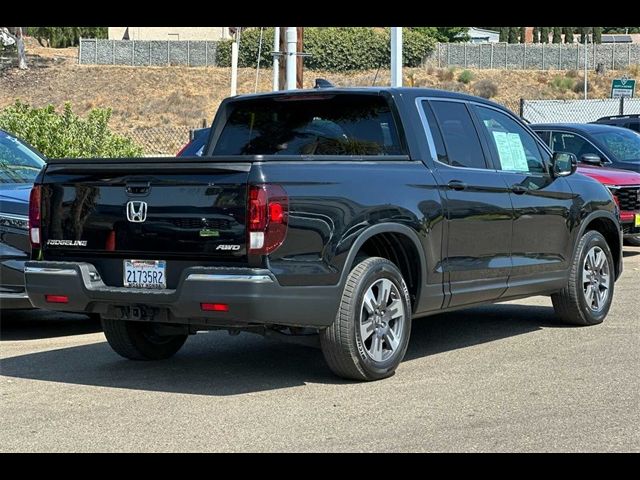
[[137, 212]]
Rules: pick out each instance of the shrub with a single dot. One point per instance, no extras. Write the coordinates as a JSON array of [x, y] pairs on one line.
[[572, 74], [578, 86], [466, 76], [562, 83], [66, 134], [334, 49], [446, 75], [485, 88]]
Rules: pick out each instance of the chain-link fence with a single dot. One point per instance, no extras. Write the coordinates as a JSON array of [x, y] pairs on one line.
[[576, 111], [160, 141]]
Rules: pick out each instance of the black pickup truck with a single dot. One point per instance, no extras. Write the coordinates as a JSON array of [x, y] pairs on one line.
[[334, 214]]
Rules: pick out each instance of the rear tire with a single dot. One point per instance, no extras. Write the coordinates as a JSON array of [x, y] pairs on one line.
[[138, 341], [587, 298], [633, 241], [369, 337]]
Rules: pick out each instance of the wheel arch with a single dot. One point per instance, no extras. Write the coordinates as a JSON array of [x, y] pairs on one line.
[[398, 243], [607, 225]]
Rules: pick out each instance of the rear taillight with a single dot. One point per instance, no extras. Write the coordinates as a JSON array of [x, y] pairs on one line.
[[267, 214], [34, 217]]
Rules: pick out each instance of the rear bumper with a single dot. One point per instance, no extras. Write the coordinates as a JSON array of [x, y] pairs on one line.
[[14, 300], [254, 296]]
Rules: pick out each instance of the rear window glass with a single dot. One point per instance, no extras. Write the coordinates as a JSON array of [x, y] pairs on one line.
[[316, 125]]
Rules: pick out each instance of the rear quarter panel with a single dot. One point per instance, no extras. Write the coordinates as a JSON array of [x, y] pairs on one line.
[[332, 203]]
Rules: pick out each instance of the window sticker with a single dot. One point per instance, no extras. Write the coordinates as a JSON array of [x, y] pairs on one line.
[[511, 151]]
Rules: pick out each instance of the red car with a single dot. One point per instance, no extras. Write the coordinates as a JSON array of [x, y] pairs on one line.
[[625, 187]]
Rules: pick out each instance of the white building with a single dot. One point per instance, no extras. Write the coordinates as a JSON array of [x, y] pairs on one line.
[[480, 35], [168, 33]]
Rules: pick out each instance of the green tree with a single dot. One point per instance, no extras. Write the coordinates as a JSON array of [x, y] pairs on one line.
[[536, 34], [568, 34], [597, 34], [62, 37], [504, 34], [444, 34], [544, 34], [557, 35], [523, 34], [584, 34], [513, 35]]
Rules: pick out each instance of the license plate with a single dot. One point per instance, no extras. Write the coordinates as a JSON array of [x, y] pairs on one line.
[[145, 273], [637, 223]]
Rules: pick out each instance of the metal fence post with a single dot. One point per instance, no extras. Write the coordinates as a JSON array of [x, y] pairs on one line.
[[521, 107], [543, 56], [79, 50], [491, 58], [621, 106], [613, 56], [506, 51], [188, 53], [559, 56], [629, 54], [465, 55], [113, 52], [95, 52], [448, 54], [149, 52], [133, 53], [206, 53]]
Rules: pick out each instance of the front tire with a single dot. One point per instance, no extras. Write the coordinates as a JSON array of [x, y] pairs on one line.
[[138, 341], [369, 337], [587, 298]]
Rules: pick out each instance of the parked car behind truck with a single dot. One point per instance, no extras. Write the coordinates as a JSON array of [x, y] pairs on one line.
[[343, 212], [19, 165], [598, 149]]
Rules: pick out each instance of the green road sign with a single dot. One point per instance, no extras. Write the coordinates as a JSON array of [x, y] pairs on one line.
[[622, 87]]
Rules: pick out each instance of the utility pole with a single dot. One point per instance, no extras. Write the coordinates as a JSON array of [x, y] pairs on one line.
[[276, 58], [396, 56], [282, 74], [299, 57], [234, 62], [292, 43]]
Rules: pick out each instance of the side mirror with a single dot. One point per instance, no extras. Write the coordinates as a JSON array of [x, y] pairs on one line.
[[591, 159], [564, 164]]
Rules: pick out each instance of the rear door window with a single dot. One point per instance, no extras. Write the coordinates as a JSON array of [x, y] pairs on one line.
[[314, 124], [459, 134]]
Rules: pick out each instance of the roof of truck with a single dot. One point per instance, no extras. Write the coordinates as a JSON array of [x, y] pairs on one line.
[[410, 91]]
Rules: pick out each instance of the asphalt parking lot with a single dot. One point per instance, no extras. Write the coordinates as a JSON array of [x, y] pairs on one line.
[[496, 378]]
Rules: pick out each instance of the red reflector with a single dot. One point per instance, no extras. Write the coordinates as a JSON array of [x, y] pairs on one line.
[[214, 307], [110, 243], [276, 213], [56, 298]]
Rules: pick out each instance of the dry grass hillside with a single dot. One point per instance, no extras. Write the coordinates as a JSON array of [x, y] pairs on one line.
[[179, 96]]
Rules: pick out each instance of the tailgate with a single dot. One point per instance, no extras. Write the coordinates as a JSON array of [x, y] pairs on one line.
[[147, 208]]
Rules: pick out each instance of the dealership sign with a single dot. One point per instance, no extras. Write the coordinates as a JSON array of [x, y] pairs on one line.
[[622, 87]]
